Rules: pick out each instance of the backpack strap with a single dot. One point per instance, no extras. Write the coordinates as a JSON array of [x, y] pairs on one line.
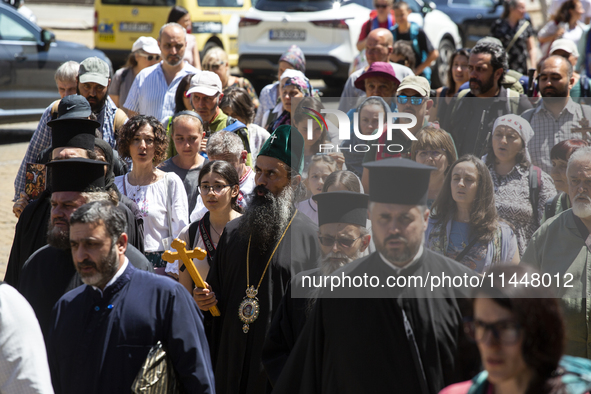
[[513, 98], [414, 38], [528, 115], [535, 183], [550, 208], [584, 81]]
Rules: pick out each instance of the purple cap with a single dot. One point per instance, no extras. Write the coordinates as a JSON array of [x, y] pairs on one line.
[[377, 69]]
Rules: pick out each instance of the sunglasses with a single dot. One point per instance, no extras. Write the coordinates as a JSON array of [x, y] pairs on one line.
[[327, 240], [381, 5], [413, 100], [506, 332], [151, 57], [215, 67]]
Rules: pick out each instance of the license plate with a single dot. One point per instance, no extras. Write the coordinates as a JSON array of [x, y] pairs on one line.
[[107, 37], [136, 27], [287, 35]]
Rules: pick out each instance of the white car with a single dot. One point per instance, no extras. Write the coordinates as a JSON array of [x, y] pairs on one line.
[[327, 32]]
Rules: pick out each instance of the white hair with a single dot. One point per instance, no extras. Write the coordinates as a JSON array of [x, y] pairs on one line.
[[581, 154]]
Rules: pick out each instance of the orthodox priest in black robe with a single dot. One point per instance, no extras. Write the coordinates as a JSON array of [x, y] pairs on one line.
[[260, 251], [401, 337], [49, 273], [343, 238]]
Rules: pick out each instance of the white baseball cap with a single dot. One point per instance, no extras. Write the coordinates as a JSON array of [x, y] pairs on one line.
[[566, 45], [147, 44], [205, 82]]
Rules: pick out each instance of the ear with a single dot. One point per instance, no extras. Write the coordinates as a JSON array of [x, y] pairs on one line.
[[429, 104], [426, 217], [243, 156], [498, 75], [296, 180], [235, 190], [122, 243], [365, 242]]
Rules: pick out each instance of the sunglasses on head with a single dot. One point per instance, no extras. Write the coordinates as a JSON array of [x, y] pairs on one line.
[[327, 240], [151, 57], [413, 100]]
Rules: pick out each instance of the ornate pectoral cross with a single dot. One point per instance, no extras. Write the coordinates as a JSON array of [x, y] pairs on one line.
[[185, 257]]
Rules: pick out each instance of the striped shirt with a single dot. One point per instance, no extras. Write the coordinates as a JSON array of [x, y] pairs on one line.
[[41, 140], [151, 95], [548, 131]]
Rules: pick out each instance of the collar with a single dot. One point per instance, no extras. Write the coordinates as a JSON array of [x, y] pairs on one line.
[[570, 106], [119, 272], [245, 175], [399, 269]]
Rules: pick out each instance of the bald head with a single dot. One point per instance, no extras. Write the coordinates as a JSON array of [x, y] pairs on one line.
[[171, 29], [172, 42], [379, 45], [559, 62]]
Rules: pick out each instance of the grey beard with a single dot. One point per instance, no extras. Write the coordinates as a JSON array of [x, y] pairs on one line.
[[266, 217], [59, 240], [328, 266]]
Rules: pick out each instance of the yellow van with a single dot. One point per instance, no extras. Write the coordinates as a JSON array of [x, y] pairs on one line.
[[118, 23]]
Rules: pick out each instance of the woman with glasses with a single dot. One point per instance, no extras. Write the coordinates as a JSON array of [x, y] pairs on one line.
[[457, 75], [216, 60], [435, 148], [464, 224], [159, 195], [181, 16], [218, 186], [519, 330], [517, 200], [144, 53]]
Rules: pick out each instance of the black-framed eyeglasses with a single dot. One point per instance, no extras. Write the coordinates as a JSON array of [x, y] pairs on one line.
[[327, 240], [217, 189], [507, 332], [413, 100]]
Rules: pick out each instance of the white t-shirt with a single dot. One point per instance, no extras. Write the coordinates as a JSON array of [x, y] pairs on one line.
[[201, 265], [152, 201], [555, 6], [310, 209], [246, 185]]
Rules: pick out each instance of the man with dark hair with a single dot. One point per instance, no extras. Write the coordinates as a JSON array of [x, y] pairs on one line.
[[101, 332], [390, 320], [343, 238], [475, 111], [259, 253], [556, 116], [49, 273]]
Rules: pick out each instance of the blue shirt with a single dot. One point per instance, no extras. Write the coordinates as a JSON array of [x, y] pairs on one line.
[[151, 95]]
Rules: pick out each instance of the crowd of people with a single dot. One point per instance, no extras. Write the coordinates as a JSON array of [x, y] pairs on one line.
[[478, 181]]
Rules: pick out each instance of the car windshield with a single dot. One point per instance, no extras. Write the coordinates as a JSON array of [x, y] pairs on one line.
[[305, 6], [220, 3]]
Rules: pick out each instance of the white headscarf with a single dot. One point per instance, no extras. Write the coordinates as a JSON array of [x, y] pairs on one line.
[[520, 125]]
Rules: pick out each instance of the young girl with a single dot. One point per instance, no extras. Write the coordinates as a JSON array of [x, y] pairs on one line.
[[321, 166], [218, 185]]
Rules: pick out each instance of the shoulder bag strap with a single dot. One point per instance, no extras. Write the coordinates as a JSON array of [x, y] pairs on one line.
[[516, 36], [535, 177], [466, 250]]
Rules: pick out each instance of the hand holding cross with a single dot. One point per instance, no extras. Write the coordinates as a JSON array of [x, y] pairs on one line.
[[185, 257]]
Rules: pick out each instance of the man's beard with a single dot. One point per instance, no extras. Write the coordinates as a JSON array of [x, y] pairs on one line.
[[407, 253], [582, 209], [169, 60], [57, 238], [97, 105], [333, 261], [266, 217], [551, 91], [104, 271], [482, 87]]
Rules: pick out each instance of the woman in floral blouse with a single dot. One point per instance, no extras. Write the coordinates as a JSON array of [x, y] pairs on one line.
[[509, 163]]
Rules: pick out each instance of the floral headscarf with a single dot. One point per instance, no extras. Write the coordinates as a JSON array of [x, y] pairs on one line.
[[295, 57], [297, 79], [520, 125]]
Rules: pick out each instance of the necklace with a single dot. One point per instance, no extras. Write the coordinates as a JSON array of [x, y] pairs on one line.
[[213, 228], [249, 308]]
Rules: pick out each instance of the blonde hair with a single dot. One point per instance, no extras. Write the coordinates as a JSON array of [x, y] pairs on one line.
[[215, 53]]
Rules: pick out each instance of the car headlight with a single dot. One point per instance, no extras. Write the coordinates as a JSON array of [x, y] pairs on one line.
[[206, 27]]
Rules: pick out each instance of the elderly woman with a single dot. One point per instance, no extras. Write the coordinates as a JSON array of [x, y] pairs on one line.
[[512, 173], [216, 60], [559, 155], [435, 148], [293, 84], [519, 331], [464, 224], [144, 53], [159, 195], [293, 59]]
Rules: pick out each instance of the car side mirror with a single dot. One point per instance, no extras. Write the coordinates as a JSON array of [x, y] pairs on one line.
[[47, 38]]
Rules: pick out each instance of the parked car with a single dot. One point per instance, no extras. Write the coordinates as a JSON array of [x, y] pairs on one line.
[[29, 57], [473, 17], [327, 32]]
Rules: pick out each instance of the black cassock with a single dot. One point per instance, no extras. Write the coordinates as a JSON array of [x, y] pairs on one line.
[[99, 341], [50, 273], [236, 356], [360, 345], [31, 233]]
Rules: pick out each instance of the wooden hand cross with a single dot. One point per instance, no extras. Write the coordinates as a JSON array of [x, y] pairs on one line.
[[584, 129], [185, 257]]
